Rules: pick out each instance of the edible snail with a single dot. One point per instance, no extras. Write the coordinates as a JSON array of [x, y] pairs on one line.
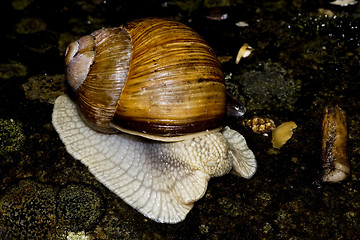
[[146, 116]]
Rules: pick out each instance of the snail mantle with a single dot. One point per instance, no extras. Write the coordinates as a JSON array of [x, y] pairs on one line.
[[146, 116]]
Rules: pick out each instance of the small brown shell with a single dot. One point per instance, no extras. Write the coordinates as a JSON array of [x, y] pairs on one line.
[[333, 145], [261, 125]]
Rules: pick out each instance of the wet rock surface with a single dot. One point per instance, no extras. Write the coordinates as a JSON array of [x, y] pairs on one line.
[[12, 136], [28, 210], [306, 56], [268, 87], [80, 207], [34, 210], [45, 88]]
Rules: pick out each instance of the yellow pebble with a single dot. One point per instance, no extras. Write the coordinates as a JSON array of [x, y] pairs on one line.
[[282, 134]]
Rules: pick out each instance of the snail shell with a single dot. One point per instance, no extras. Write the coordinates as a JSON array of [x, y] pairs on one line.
[[151, 77]]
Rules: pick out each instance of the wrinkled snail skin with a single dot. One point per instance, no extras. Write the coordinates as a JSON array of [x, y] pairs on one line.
[[185, 108], [160, 180]]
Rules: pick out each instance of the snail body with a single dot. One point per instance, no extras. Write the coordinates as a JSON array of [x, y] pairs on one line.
[[150, 79]]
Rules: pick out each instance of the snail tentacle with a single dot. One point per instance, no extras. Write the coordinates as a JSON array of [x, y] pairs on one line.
[[242, 158]]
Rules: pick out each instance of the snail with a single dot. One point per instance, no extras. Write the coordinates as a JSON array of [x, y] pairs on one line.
[[146, 113]]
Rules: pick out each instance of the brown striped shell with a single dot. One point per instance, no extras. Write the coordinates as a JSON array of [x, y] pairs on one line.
[[151, 77]]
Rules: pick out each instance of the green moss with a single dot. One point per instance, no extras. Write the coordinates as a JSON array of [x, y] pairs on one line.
[[263, 199], [12, 137], [216, 3], [27, 211], [116, 226], [80, 207], [188, 5], [21, 4], [11, 70], [30, 25], [78, 236], [45, 88]]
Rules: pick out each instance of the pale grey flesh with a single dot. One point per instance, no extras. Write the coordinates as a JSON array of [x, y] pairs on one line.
[[160, 180]]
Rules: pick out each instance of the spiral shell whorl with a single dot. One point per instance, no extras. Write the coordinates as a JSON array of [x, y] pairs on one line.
[[99, 93], [78, 58]]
